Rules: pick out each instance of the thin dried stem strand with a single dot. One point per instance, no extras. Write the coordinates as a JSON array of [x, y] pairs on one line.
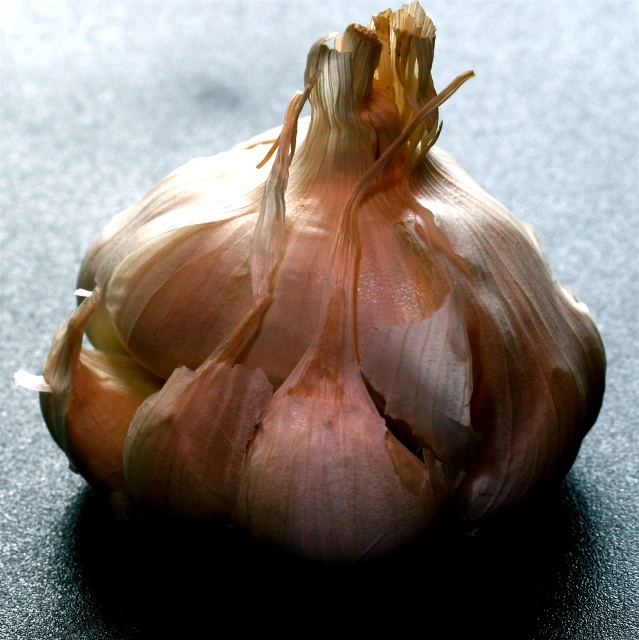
[[384, 160], [266, 246], [276, 144], [270, 152], [230, 349]]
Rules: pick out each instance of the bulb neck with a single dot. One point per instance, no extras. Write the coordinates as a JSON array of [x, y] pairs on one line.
[[368, 88]]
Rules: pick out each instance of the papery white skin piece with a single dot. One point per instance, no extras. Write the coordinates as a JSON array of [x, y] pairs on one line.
[[424, 373], [423, 359]]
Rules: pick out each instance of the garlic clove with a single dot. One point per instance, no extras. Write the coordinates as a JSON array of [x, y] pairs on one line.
[[92, 399], [181, 292], [320, 480], [538, 360], [205, 191], [184, 454], [202, 260], [227, 177]]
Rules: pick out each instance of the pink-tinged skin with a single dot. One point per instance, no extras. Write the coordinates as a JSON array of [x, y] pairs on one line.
[[92, 401], [333, 348]]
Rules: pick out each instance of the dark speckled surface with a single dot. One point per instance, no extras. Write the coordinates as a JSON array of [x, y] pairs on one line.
[[101, 100]]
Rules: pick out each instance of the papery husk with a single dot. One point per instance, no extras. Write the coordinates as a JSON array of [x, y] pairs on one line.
[[327, 480], [92, 399], [423, 371], [539, 370], [185, 451]]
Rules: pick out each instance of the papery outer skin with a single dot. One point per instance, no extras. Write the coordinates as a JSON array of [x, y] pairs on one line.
[[174, 217], [92, 400], [539, 369], [423, 371], [175, 276], [227, 177], [185, 450], [320, 482]]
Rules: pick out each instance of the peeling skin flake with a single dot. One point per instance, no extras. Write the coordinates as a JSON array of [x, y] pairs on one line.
[[30, 381]]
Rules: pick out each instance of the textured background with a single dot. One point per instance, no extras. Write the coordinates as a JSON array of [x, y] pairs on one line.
[[102, 99]]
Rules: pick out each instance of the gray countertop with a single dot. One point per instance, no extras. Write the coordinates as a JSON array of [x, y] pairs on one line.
[[101, 100]]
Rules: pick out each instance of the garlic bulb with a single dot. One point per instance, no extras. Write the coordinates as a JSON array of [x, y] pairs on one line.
[[329, 335]]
